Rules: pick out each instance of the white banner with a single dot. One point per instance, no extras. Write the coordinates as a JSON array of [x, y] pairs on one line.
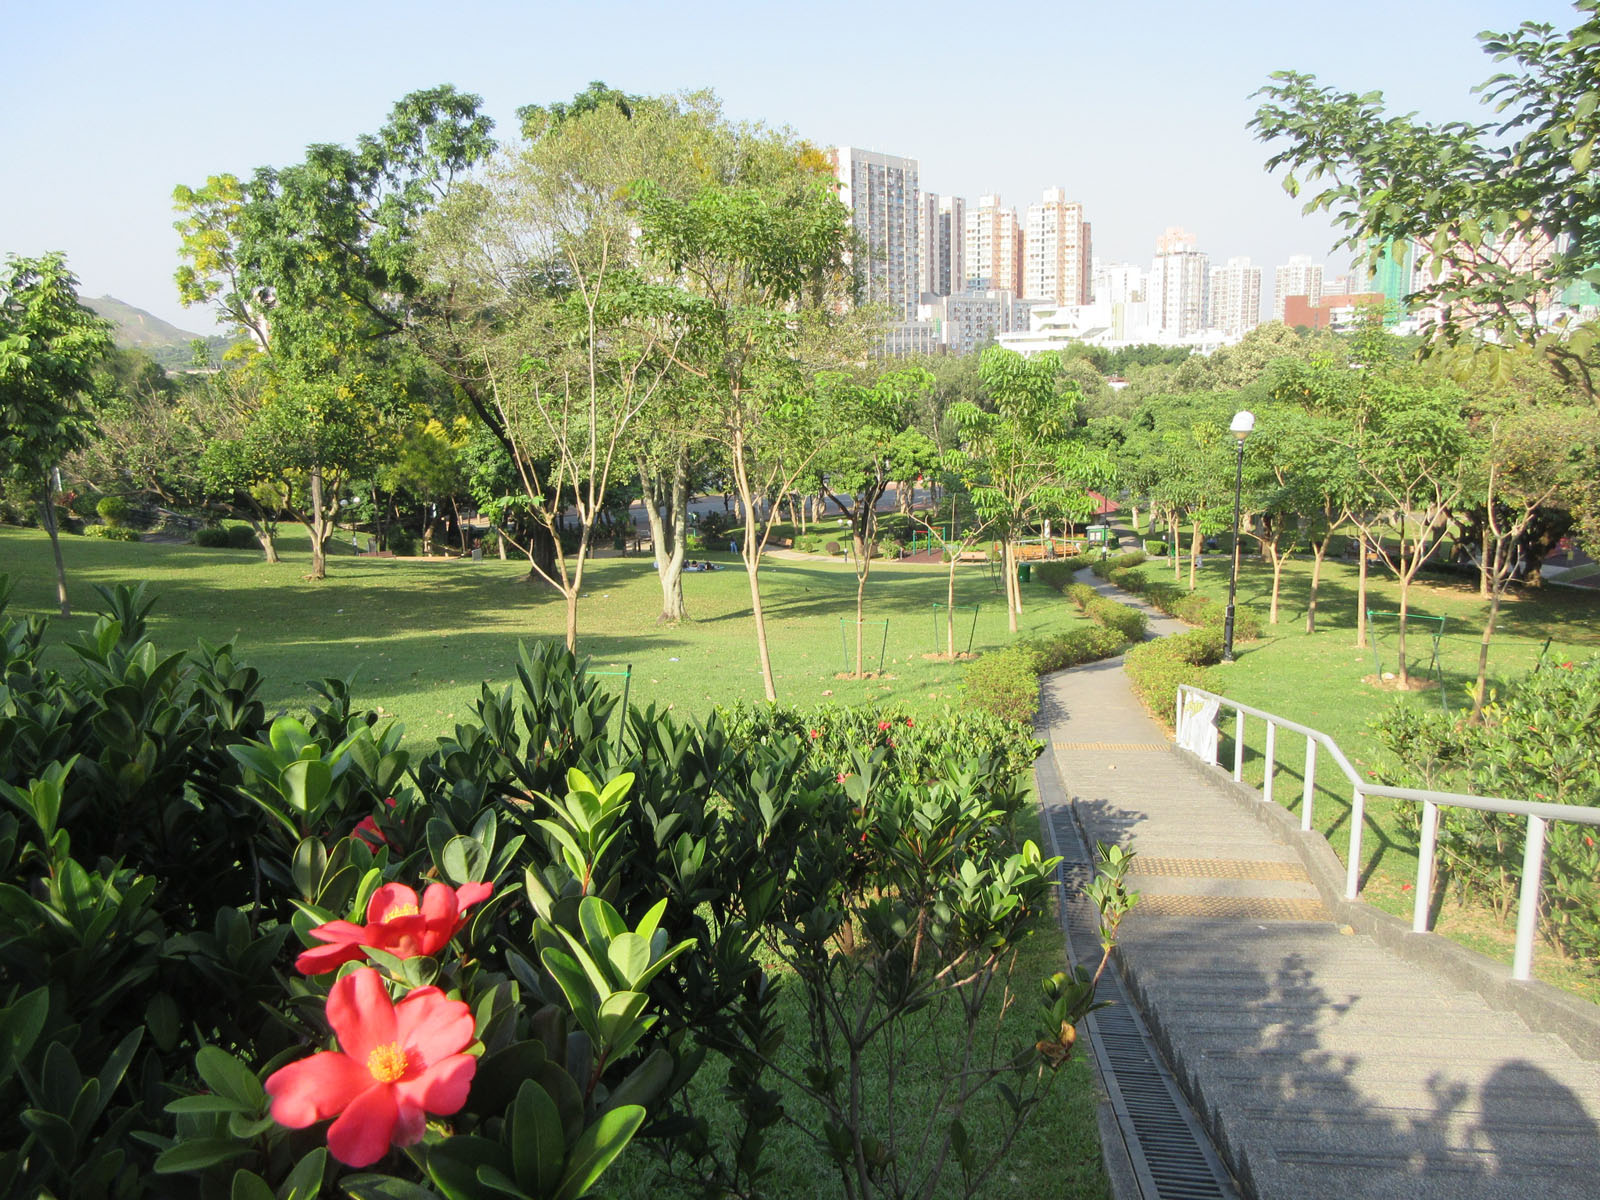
[[1197, 731]]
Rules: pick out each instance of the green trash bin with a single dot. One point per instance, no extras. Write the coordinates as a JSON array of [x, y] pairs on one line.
[[1024, 572]]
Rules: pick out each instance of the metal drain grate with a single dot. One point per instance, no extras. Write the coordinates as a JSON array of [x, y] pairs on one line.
[[1177, 1161], [1169, 1153]]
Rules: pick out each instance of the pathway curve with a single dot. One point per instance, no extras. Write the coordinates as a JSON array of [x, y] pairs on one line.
[[1322, 1063]]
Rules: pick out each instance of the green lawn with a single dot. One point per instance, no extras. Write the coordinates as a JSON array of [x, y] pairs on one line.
[[419, 637], [1320, 680]]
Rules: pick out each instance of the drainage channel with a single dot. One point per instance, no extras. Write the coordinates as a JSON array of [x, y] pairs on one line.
[[1169, 1154]]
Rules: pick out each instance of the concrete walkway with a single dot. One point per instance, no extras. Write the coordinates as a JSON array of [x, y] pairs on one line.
[[1322, 1063]]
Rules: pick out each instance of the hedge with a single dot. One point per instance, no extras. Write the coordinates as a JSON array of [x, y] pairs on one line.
[[1192, 608], [1156, 668], [1005, 683]]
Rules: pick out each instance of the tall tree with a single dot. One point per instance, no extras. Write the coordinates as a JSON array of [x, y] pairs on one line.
[[1505, 209], [49, 345], [1020, 460], [764, 266]]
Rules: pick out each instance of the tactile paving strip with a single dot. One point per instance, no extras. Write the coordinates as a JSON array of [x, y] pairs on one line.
[[1112, 745], [1248, 908], [1218, 868]]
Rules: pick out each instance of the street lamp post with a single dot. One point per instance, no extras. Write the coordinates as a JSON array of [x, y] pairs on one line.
[[1243, 422]]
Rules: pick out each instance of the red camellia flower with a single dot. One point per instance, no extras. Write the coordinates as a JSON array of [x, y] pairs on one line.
[[396, 923], [367, 828], [396, 1064], [815, 734], [883, 726], [842, 777], [908, 722]]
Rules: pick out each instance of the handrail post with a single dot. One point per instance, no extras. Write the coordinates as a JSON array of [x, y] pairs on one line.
[[1425, 852], [1177, 723], [1528, 901], [1358, 815], [1311, 784], [1271, 752], [1238, 745]]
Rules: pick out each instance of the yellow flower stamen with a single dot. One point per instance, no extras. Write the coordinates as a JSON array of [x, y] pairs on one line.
[[387, 1063], [400, 910]]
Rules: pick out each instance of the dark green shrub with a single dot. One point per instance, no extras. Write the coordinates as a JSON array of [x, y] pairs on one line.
[[113, 510], [242, 537], [1155, 669], [111, 533], [1058, 651], [1004, 684], [831, 548], [1155, 548], [403, 543], [212, 537], [889, 548], [1057, 575]]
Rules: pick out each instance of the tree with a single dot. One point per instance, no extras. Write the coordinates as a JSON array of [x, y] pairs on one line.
[[872, 448], [1525, 459], [49, 345], [763, 264], [1506, 210], [1020, 460], [317, 262]]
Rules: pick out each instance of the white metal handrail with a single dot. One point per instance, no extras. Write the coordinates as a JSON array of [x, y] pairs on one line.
[[1539, 815]]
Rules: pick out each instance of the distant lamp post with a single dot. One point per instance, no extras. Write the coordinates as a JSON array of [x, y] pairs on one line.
[[1243, 422]]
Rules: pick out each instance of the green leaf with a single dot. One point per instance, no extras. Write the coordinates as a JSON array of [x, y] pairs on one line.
[[304, 1181], [20, 1026], [199, 1153], [538, 1147], [629, 956], [305, 785], [227, 1076], [464, 860], [597, 1148], [247, 1185]]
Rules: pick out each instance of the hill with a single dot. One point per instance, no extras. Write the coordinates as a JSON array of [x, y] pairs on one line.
[[135, 329]]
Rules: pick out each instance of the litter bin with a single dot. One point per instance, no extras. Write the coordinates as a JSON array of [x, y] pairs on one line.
[[1024, 572]]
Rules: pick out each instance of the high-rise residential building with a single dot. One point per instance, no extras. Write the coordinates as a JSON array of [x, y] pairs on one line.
[[1118, 283], [1179, 284], [1392, 275], [1058, 267], [993, 247], [881, 192], [1235, 297], [941, 229], [1297, 277]]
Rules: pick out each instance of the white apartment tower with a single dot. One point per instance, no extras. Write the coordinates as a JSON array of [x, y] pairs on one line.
[[993, 249], [941, 225], [1059, 264], [881, 192], [1178, 285], [1297, 277], [1235, 297]]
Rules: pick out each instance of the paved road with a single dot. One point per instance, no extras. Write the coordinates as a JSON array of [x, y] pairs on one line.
[[1322, 1063]]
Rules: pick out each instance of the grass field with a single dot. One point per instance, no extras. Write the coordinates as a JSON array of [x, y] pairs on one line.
[[420, 636], [1323, 680]]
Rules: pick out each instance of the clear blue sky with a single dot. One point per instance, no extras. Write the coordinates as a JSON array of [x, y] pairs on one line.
[[1138, 110]]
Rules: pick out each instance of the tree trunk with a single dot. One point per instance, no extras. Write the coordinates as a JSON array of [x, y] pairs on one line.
[[1361, 590], [319, 556], [1319, 551], [1194, 552], [1401, 672], [47, 517], [1008, 558], [1481, 687], [669, 536], [265, 535], [950, 608], [1175, 547], [461, 530], [1277, 576], [1485, 586]]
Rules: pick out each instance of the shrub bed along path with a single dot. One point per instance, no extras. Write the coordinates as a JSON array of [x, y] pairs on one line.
[[1323, 1063]]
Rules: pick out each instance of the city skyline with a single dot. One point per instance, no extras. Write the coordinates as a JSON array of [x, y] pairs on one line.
[[1140, 115]]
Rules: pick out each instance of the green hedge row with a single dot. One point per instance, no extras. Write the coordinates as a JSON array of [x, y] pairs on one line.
[[1129, 622], [1156, 668], [1192, 608], [1005, 683]]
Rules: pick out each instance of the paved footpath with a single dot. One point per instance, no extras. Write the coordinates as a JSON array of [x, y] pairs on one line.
[[1322, 1063]]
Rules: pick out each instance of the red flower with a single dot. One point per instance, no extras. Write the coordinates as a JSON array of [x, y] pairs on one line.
[[397, 924], [396, 1064], [1566, 666], [908, 722], [842, 777], [883, 726], [1587, 840], [815, 734], [367, 828], [891, 743], [1405, 887]]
